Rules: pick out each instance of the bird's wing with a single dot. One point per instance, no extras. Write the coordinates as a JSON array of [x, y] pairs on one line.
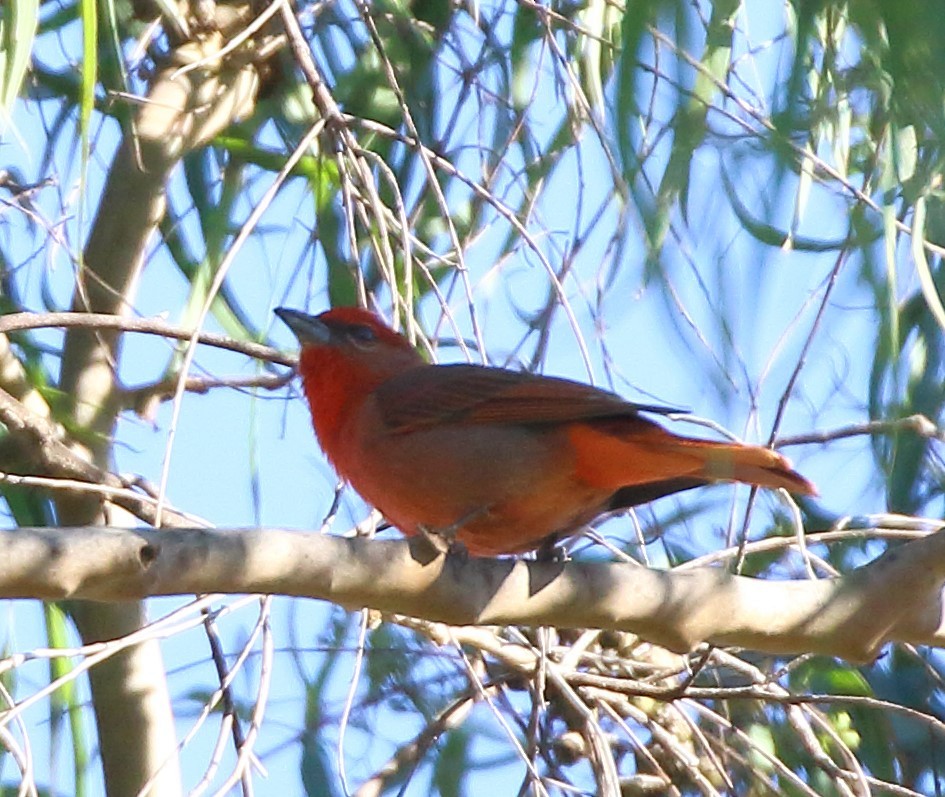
[[470, 394]]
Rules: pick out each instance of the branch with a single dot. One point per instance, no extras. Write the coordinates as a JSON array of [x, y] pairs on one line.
[[917, 424], [144, 398], [407, 757], [180, 113], [852, 616], [41, 446], [148, 326]]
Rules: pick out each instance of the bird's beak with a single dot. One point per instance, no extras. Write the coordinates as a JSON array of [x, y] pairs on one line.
[[307, 328]]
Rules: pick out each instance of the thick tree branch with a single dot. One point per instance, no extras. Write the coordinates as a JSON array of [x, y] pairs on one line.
[[183, 110], [896, 598]]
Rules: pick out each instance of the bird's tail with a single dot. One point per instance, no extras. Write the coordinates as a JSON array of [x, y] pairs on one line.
[[625, 454], [726, 462]]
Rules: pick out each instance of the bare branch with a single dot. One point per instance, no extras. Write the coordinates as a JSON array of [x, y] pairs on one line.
[[148, 326], [851, 616], [918, 424], [42, 448], [142, 399], [409, 755]]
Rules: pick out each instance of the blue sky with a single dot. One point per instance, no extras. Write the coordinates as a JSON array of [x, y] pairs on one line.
[[243, 458]]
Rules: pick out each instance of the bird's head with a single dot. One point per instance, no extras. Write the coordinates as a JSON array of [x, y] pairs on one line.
[[349, 347]]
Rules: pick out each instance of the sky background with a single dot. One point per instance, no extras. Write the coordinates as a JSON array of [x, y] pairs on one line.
[[249, 458]]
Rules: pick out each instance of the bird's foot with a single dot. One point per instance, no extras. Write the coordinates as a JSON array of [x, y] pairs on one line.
[[442, 541], [551, 551]]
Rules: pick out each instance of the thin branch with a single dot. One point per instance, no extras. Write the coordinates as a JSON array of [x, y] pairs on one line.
[[127, 493], [917, 424], [148, 326], [409, 755], [141, 399]]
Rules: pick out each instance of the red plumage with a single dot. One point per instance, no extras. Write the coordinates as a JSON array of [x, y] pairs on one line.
[[501, 459]]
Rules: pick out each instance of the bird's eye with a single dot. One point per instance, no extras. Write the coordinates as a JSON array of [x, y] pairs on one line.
[[361, 335]]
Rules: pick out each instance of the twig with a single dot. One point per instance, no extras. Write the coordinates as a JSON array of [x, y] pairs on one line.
[[410, 754], [112, 493], [919, 424], [148, 326], [141, 398]]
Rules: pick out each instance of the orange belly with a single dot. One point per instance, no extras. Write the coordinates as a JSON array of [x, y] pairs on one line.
[[501, 489]]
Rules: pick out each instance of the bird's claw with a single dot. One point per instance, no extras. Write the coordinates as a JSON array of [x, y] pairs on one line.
[[551, 551], [443, 541]]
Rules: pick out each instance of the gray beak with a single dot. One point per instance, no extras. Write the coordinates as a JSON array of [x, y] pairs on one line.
[[307, 328]]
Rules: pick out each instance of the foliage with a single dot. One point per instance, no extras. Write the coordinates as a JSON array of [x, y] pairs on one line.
[[718, 203]]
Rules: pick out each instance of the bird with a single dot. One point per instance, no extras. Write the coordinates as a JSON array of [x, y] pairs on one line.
[[491, 460]]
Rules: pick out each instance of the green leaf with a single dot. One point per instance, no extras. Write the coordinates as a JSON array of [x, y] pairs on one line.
[[593, 19], [929, 290], [18, 23], [690, 122], [66, 700], [452, 758]]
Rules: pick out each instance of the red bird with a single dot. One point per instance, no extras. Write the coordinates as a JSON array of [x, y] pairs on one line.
[[501, 461]]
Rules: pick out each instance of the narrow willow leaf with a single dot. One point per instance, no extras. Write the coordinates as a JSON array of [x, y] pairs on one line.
[[905, 153], [889, 251], [18, 22], [67, 700], [841, 137], [929, 291], [691, 115], [89, 79], [805, 180], [592, 19]]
